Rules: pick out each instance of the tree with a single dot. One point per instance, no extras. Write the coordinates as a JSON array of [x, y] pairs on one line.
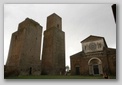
[[67, 68]]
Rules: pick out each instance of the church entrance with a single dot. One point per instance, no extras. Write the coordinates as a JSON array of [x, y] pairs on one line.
[[77, 70], [95, 66], [95, 69]]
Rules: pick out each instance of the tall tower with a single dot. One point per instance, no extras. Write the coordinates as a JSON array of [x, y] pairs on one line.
[[24, 52], [53, 55]]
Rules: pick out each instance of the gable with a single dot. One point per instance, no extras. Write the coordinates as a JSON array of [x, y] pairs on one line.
[[93, 44], [91, 38]]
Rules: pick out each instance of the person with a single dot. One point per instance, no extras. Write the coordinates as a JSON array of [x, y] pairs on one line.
[[60, 73], [105, 76]]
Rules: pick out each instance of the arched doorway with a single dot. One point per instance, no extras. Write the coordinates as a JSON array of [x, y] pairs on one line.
[[95, 66], [96, 69], [77, 70]]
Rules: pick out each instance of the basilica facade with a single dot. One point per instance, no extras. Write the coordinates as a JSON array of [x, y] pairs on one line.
[[94, 59]]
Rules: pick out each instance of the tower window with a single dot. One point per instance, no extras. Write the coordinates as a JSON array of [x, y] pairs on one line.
[[16, 37], [58, 25]]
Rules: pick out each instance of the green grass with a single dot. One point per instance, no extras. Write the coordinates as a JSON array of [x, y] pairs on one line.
[[59, 77]]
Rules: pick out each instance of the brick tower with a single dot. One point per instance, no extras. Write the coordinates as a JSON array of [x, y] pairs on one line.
[[53, 55], [24, 52]]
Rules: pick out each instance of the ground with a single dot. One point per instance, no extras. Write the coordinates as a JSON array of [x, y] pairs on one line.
[[59, 77]]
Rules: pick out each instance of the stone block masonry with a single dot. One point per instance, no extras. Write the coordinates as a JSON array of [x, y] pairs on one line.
[[25, 47], [53, 55]]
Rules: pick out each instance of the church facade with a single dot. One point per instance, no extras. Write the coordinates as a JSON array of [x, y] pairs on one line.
[[94, 59]]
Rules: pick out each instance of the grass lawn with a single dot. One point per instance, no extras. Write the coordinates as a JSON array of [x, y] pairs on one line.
[[59, 77]]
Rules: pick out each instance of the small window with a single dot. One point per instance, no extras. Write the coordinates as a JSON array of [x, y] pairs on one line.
[[85, 47], [99, 45], [58, 25], [15, 37]]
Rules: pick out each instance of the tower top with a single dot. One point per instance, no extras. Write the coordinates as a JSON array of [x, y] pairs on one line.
[[28, 23], [54, 14], [54, 21]]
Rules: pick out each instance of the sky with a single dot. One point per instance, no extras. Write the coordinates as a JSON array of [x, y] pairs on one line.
[[78, 22]]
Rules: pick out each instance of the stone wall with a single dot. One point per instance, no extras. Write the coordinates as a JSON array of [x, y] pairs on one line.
[[81, 60], [53, 55], [54, 21], [25, 48]]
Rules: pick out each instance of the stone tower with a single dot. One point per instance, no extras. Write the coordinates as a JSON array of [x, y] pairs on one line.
[[53, 55], [24, 52]]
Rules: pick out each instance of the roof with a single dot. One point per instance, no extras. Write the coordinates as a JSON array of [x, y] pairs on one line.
[[54, 15], [79, 54], [111, 51], [92, 38], [28, 22]]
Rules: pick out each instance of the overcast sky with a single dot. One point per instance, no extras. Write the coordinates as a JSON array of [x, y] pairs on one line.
[[78, 22]]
